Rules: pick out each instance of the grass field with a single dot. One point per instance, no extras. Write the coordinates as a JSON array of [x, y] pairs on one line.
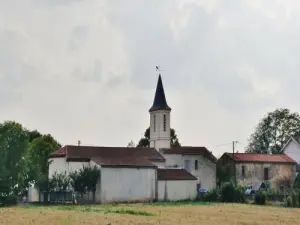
[[214, 214]]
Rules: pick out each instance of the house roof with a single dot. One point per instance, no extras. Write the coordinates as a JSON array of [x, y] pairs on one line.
[[124, 162], [189, 150], [110, 155], [160, 102], [249, 157], [174, 174]]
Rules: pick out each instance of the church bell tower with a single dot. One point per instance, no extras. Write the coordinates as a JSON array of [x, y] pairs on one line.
[[160, 131]]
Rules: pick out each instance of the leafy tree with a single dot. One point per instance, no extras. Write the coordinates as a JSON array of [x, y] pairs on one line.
[[145, 141], [59, 182], [33, 135], [273, 131], [85, 180], [224, 173], [13, 145], [36, 159]]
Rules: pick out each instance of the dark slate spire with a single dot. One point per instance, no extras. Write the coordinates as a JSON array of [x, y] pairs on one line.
[[160, 102]]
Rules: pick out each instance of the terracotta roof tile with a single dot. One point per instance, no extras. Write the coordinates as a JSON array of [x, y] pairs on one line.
[[189, 150], [111, 155], [127, 161], [174, 174], [249, 157]]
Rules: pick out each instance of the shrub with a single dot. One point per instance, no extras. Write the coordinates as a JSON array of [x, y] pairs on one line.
[[289, 201], [8, 200], [260, 198], [239, 194], [227, 192], [212, 196], [294, 199]]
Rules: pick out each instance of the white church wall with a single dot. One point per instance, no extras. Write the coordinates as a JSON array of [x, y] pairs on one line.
[[159, 164], [127, 184], [206, 172], [58, 165], [76, 166], [292, 149], [173, 160], [177, 190]]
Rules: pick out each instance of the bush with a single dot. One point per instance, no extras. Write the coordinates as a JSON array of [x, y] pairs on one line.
[[212, 196], [289, 201], [8, 200], [227, 192], [260, 198], [294, 199], [239, 194]]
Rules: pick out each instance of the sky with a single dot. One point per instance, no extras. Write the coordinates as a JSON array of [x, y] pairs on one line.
[[85, 69]]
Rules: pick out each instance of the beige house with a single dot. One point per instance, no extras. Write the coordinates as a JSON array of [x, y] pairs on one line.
[[254, 168], [143, 174]]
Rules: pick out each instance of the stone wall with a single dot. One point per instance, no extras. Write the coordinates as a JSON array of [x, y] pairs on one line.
[[254, 173]]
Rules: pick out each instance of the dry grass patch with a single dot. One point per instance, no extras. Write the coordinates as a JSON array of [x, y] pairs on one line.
[[225, 214]]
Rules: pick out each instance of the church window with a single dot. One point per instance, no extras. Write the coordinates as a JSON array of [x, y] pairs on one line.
[[165, 122], [154, 123], [196, 164]]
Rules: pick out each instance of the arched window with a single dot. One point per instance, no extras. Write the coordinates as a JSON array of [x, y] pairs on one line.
[[165, 122], [154, 123]]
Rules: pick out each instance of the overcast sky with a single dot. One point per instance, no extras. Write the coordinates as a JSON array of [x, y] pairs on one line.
[[85, 69]]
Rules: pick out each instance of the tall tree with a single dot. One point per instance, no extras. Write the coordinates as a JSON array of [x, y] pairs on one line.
[[273, 131], [37, 157], [13, 145], [145, 141]]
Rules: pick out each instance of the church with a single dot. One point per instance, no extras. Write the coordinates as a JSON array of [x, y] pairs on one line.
[[156, 173]]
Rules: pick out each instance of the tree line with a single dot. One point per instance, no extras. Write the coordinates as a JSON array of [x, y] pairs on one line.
[[23, 158], [24, 153]]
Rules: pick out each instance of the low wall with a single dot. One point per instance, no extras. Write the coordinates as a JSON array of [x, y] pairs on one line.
[[177, 190]]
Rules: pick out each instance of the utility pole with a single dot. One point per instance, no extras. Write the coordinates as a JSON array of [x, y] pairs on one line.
[[234, 169]]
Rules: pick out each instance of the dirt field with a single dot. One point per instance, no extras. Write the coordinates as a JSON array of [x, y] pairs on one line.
[[218, 214]]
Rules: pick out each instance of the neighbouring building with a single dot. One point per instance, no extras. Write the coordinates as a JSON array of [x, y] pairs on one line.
[[255, 168], [292, 149], [159, 172]]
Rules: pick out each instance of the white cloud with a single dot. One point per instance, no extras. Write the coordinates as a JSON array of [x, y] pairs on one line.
[[86, 69]]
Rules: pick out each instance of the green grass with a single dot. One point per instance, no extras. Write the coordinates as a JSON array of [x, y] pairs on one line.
[[178, 203], [97, 209]]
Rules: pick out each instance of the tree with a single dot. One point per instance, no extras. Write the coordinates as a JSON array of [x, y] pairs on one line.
[[36, 159], [85, 180], [131, 144], [13, 145], [273, 132], [145, 141]]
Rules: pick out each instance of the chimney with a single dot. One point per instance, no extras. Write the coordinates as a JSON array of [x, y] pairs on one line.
[[79, 142]]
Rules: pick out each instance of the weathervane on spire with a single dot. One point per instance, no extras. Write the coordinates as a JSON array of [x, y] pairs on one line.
[[158, 69]]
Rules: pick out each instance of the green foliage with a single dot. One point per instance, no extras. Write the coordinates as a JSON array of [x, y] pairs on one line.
[[296, 183], [294, 199], [23, 158], [260, 198], [145, 141], [8, 200], [273, 131], [289, 201], [224, 173], [37, 156], [13, 144], [85, 180], [106, 210], [227, 192], [59, 182], [212, 195]]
